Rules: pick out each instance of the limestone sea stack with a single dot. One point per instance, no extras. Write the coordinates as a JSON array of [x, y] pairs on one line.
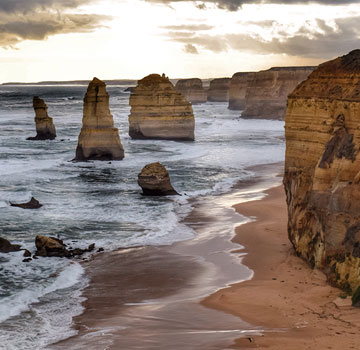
[[98, 139], [192, 90], [155, 181], [45, 128], [322, 169], [267, 91], [237, 90], [158, 111], [219, 90]]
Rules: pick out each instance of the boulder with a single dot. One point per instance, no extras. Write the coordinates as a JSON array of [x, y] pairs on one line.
[[155, 181], [32, 204], [219, 90], [98, 139], [158, 111], [45, 129], [267, 91], [192, 90], [322, 169], [7, 247]]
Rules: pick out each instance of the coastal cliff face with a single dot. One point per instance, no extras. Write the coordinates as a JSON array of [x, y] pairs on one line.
[[267, 91], [237, 90], [45, 128], [98, 139], [192, 90], [322, 169], [219, 90], [158, 111]]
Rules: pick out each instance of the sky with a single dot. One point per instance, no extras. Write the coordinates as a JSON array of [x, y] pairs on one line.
[[129, 39]]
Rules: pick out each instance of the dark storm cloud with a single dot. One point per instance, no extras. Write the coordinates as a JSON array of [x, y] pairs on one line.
[[38, 19], [233, 5], [322, 42]]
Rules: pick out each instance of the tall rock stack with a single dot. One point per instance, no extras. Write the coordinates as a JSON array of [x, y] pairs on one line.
[[192, 90], [267, 91], [219, 90], [45, 128], [158, 111], [98, 139], [237, 90], [322, 169]]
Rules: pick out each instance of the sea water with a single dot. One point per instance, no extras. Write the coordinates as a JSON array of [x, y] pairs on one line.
[[100, 202]]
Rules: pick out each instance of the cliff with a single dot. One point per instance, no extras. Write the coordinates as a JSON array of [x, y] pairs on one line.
[[158, 111], [322, 169], [237, 90], [192, 90], [98, 139], [267, 91], [45, 128], [219, 90]]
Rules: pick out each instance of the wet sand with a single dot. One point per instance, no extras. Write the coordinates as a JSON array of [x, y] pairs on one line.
[[292, 302]]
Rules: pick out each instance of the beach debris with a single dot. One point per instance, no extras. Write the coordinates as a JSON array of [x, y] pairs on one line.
[[55, 247], [45, 128], [98, 139], [7, 247], [155, 181], [32, 204]]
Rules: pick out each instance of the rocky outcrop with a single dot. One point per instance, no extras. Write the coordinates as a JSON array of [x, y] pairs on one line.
[[192, 90], [237, 90], [7, 247], [45, 128], [158, 111], [32, 204], [98, 139], [219, 90], [155, 181], [267, 91], [322, 169]]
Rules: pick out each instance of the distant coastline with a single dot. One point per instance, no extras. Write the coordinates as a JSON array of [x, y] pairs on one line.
[[77, 82]]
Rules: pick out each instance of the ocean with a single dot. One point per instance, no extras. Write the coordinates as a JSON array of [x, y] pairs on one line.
[[100, 202]]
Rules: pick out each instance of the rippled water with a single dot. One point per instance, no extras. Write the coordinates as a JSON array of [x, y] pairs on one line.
[[100, 201]]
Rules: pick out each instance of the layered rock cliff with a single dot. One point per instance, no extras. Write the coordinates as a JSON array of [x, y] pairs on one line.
[[98, 139], [158, 111], [45, 128], [237, 90], [322, 169], [219, 90], [267, 91], [192, 90]]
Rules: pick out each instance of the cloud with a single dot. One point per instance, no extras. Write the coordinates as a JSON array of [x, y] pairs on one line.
[[324, 41], [189, 48], [189, 27], [38, 19], [234, 5]]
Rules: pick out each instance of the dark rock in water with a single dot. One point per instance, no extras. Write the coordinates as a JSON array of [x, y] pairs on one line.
[[27, 254], [27, 260], [130, 89], [155, 181], [51, 246], [7, 247], [100, 250], [32, 204]]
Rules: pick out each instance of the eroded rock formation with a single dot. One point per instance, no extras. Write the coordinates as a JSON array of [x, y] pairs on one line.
[[267, 91], [322, 169], [219, 90], [192, 90], [237, 90], [98, 139], [32, 204], [155, 181], [7, 247], [158, 111], [45, 128]]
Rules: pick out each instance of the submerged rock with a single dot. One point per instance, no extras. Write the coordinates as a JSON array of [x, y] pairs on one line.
[[192, 90], [158, 111], [7, 247], [32, 204], [322, 169], [155, 181], [45, 128], [98, 139]]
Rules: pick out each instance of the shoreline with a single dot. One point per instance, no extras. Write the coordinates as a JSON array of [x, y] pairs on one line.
[[293, 303]]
